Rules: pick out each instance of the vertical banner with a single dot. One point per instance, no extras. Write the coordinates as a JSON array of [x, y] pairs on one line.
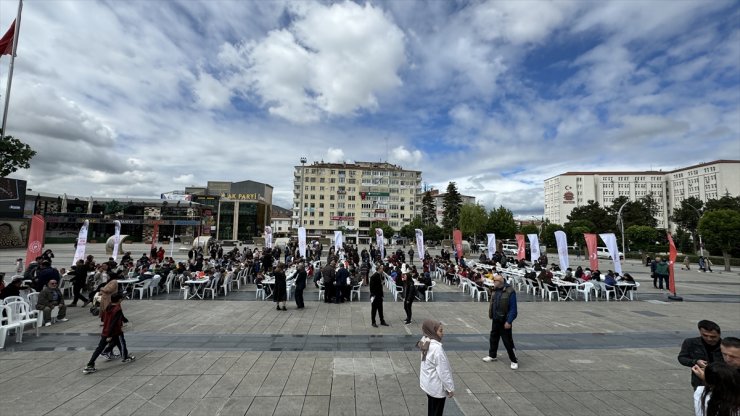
[[671, 261], [520, 247], [81, 243], [457, 239], [611, 244], [591, 244], [420, 243], [302, 241], [268, 236], [491, 245], [562, 241], [155, 234], [380, 242], [172, 241], [534, 247], [338, 241], [35, 238], [116, 240]]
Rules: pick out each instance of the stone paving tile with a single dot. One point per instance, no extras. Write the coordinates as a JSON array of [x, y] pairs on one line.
[[263, 406]]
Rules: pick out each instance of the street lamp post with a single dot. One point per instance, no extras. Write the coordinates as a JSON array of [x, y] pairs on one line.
[[303, 176], [701, 245], [620, 222]]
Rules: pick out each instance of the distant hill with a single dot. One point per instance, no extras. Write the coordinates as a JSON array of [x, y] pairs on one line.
[[279, 212]]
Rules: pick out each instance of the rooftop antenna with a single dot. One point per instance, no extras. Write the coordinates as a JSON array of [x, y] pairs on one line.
[[386, 148]]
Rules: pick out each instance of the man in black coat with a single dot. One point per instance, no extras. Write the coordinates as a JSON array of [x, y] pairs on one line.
[[300, 285], [79, 282], [376, 296], [340, 282], [44, 274], [327, 275], [702, 350]]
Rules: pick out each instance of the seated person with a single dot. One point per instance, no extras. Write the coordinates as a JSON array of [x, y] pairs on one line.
[[579, 273], [569, 276], [13, 289], [49, 298], [609, 280], [596, 275]]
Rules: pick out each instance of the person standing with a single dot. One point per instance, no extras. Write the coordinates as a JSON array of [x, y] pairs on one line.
[[376, 296], [661, 271], [340, 281], [435, 374], [702, 350], [327, 274], [502, 311], [300, 284], [79, 282], [112, 334], [409, 294], [281, 289], [686, 263]]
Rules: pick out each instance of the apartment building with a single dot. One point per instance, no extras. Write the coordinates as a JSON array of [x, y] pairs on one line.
[[353, 196], [705, 181], [439, 199]]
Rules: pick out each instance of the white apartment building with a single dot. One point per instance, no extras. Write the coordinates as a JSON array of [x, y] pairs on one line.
[[439, 199], [354, 195], [705, 181]]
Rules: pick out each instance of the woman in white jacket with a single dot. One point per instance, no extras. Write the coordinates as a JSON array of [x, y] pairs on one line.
[[435, 374]]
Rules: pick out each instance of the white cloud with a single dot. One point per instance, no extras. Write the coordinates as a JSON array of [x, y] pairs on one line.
[[404, 156], [185, 179], [334, 155], [210, 92]]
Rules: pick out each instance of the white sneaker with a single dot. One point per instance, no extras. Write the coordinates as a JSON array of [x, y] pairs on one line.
[[47, 324], [489, 359], [63, 320], [514, 366]]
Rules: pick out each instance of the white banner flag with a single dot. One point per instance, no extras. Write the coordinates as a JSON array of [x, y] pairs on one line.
[[268, 236], [81, 243], [172, 241], [562, 241], [338, 241], [116, 240], [420, 243], [534, 247], [491, 245], [611, 244], [302, 241], [379, 241]]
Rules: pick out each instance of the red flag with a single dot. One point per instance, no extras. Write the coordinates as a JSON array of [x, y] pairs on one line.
[[592, 242], [457, 238], [6, 42], [521, 247], [154, 234], [35, 238], [671, 260]]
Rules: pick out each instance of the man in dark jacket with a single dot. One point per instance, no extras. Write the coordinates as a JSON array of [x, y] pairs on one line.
[[328, 274], [376, 296], [702, 350], [502, 311], [44, 274], [79, 282], [49, 298], [340, 282], [300, 285], [13, 289]]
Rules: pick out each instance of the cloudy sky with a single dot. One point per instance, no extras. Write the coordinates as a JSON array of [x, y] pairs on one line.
[[143, 97]]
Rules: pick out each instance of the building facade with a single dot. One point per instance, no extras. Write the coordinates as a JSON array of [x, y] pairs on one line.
[[704, 181], [327, 196], [439, 200]]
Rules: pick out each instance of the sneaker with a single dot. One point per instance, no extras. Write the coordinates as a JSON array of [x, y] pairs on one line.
[[47, 324], [89, 370], [106, 356], [406, 322], [489, 359], [514, 366], [63, 320], [128, 359]]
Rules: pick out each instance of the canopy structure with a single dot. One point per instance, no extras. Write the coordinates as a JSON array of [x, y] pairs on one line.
[[111, 242]]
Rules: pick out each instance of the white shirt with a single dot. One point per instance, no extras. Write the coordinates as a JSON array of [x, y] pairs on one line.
[[435, 375], [698, 404]]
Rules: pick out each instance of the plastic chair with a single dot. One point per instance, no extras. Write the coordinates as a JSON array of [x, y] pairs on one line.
[[212, 287], [261, 292], [154, 286], [355, 291], [429, 293], [585, 288], [233, 281], [66, 286], [398, 289], [7, 324], [141, 287], [322, 291], [480, 291], [550, 289], [168, 282], [13, 299], [21, 313], [609, 291]]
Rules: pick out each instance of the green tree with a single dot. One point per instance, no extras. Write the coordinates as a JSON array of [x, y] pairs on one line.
[[722, 229], [409, 230], [433, 232], [687, 215], [388, 231], [641, 236], [113, 207], [473, 219], [596, 215], [501, 222], [14, 155], [428, 211], [726, 202], [548, 234], [452, 203], [575, 236], [529, 229], [640, 212]]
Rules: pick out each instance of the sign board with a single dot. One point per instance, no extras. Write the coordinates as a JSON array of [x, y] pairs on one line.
[[12, 198]]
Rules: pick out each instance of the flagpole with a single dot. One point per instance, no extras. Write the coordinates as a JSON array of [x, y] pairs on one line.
[[10, 71]]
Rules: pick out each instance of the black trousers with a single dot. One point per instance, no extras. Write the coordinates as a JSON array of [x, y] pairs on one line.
[[435, 406], [407, 308], [663, 278], [77, 290], [299, 296], [329, 291], [120, 342], [103, 344], [498, 332], [376, 307]]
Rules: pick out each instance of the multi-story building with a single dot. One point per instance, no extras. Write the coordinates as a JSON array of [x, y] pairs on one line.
[[353, 196], [704, 181], [282, 221], [439, 199]]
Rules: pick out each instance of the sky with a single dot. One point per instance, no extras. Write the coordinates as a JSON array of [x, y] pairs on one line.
[[136, 98]]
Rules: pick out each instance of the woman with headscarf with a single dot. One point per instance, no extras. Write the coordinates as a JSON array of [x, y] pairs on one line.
[[435, 374]]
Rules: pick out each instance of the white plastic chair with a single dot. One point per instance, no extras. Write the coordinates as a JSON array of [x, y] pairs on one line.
[[154, 286], [142, 287], [609, 291], [13, 299], [429, 293], [322, 292], [396, 291], [7, 324], [551, 290], [585, 288], [261, 292], [168, 282], [22, 314], [212, 287], [480, 291], [355, 291], [234, 281], [66, 286]]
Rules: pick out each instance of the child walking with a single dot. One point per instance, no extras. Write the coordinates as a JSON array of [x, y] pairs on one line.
[[112, 334]]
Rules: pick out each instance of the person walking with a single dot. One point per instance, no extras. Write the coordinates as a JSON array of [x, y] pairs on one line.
[[686, 263], [376, 296], [281, 289], [300, 284], [502, 311], [435, 374], [409, 294], [79, 282], [111, 335]]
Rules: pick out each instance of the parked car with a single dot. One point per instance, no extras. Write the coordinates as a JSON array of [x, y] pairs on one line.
[[603, 253]]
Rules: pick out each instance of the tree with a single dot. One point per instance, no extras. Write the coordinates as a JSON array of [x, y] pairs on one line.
[[576, 235], [596, 215], [641, 236], [428, 211], [14, 155], [433, 232], [451, 204], [721, 228], [112, 207], [388, 231], [726, 202], [687, 215], [501, 222], [640, 212], [473, 219], [548, 234], [409, 230], [529, 229]]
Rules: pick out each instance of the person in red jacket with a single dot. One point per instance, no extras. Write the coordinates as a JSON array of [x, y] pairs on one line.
[[112, 334]]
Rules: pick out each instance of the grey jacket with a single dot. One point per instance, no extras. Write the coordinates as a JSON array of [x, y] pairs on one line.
[[46, 298]]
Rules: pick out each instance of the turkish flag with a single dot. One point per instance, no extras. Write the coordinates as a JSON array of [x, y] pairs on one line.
[[592, 242], [35, 238], [6, 42], [154, 234], [671, 261], [521, 247]]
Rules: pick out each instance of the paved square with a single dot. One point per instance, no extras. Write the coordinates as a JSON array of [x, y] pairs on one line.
[[239, 356]]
